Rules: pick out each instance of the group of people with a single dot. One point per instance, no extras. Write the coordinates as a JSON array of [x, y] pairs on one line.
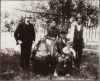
[[54, 44]]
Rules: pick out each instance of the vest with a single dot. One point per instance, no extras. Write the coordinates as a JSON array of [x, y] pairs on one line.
[[78, 34]]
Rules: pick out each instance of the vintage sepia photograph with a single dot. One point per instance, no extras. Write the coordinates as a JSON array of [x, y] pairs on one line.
[[49, 40]]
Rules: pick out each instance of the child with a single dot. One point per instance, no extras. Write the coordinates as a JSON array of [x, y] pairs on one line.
[[64, 64]]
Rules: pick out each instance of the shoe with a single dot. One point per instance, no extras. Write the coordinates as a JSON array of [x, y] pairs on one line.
[[55, 74], [73, 66], [79, 67], [21, 68], [68, 75], [83, 66], [37, 75]]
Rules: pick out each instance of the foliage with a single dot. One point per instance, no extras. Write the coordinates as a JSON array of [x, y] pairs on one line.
[[70, 8], [6, 14], [61, 11]]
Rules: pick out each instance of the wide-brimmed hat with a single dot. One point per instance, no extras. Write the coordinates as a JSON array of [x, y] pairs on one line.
[[79, 16]]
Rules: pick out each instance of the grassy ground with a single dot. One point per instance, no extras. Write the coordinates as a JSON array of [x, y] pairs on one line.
[[10, 53]]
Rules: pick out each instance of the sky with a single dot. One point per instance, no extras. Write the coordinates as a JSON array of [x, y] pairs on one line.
[[8, 5]]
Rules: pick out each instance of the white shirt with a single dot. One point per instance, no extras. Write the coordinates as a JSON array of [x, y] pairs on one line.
[[78, 27], [67, 50]]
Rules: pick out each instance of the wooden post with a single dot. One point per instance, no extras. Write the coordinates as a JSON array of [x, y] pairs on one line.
[[86, 31]]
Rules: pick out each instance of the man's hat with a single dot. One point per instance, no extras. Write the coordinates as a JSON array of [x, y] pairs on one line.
[[28, 16], [79, 16]]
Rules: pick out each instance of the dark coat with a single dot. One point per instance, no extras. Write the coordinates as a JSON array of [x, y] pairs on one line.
[[25, 32], [60, 46]]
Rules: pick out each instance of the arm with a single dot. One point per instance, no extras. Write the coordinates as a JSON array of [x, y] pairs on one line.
[[73, 52], [72, 32], [16, 33], [84, 34], [58, 33], [36, 45], [48, 32], [56, 50], [33, 32]]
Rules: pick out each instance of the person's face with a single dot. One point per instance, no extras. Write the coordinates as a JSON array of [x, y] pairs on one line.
[[27, 20], [53, 23], [79, 21]]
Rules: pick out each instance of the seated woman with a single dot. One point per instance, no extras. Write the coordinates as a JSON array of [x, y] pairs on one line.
[[40, 57]]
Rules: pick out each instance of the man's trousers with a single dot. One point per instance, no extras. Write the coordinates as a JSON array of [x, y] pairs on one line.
[[25, 53], [78, 47]]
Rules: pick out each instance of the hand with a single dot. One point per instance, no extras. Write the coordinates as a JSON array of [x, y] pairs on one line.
[[19, 42], [60, 59], [71, 41], [56, 55]]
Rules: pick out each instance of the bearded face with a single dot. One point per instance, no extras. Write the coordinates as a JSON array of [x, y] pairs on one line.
[[27, 20], [79, 21]]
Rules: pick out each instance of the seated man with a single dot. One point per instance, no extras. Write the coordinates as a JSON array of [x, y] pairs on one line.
[[61, 42], [64, 64], [40, 57]]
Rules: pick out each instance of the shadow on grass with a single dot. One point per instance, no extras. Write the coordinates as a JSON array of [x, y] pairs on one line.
[[10, 68], [94, 47]]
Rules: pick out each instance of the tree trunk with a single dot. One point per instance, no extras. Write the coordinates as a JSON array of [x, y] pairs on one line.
[[92, 33], [86, 31], [95, 32], [89, 32]]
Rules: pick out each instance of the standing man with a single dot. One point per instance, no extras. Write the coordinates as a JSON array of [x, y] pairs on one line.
[[25, 35], [78, 38]]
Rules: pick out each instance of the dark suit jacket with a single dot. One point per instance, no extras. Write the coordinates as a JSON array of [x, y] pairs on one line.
[[24, 32]]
